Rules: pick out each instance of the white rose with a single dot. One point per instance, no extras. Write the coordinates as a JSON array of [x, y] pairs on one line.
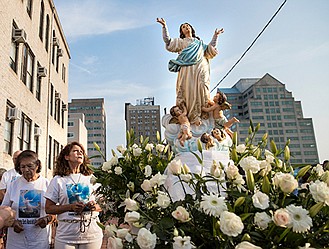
[[288, 183], [110, 230], [262, 220], [175, 167], [107, 166], [160, 147], [149, 147], [231, 171], [163, 200], [158, 179], [265, 167], [320, 191], [230, 224], [318, 169], [118, 170], [241, 148], [239, 180], [250, 163], [247, 245], [122, 232], [281, 217], [131, 204], [114, 161], [261, 200], [146, 239], [148, 171], [132, 217], [121, 149], [269, 158], [181, 214], [137, 151], [114, 243], [146, 185], [277, 178], [182, 242]]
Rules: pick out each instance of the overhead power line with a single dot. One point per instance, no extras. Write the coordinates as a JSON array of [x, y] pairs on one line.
[[236, 63]]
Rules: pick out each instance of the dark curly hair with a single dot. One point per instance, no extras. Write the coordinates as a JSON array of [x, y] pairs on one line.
[[62, 167], [27, 154], [181, 34]]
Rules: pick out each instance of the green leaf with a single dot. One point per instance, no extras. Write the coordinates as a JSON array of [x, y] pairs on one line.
[[315, 209], [266, 186]]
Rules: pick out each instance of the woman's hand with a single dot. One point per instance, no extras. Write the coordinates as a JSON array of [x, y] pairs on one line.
[[219, 31], [77, 207], [44, 221], [162, 22], [18, 227], [7, 216]]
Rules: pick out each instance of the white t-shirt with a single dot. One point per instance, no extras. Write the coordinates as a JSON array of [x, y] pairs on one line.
[[71, 189], [27, 199], [8, 177]]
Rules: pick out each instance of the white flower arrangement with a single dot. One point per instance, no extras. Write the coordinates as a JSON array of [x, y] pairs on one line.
[[265, 205]]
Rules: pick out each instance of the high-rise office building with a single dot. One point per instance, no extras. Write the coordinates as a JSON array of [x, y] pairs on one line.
[[76, 129], [267, 101], [143, 118], [95, 120], [34, 61]]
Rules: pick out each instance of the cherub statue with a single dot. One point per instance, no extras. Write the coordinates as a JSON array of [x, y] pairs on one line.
[[181, 115], [216, 107], [208, 140]]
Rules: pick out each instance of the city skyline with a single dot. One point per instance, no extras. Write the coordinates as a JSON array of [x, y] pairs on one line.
[[118, 53]]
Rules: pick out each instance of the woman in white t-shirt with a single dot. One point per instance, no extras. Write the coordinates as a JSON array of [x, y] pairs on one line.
[[31, 228], [70, 196]]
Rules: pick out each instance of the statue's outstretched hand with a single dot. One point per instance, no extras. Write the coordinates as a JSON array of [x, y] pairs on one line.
[[161, 21], [219, 31]]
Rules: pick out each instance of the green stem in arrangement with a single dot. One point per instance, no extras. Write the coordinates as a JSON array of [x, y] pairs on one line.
[[181, 182], [270, 231], [283, 199], [146, 215]]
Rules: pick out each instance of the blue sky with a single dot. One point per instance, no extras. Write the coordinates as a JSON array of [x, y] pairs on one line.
[[118, 53]]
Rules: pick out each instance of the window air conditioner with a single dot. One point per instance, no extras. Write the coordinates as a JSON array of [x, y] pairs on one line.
[[14, 114], [37, 131], [58, 95], [55, 41], [64, 107], [59, 52], [42, 72], [19, 35]]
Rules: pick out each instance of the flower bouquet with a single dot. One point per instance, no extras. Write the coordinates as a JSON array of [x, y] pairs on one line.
[[265, 204]]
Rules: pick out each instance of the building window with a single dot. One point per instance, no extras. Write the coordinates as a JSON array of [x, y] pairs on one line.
[[63, 73], [13, 50], [38, 86], [36, 140], [53, 49], [55, 151], [50, 141], [27, 67], [70, 123], [29, 7], [24, 135], [8, 134], [70, 134], [51, 100], [42, 13], [47, 33]]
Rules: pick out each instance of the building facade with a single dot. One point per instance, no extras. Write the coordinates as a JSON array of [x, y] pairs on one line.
[[266, 101], [34, 62], [76, 129], [95, 121], [143, 118]]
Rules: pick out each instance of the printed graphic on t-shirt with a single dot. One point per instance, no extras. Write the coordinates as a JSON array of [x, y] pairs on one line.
[[29, 204], [77, 193]]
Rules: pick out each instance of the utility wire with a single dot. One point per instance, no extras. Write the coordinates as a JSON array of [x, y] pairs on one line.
[[236, 63]]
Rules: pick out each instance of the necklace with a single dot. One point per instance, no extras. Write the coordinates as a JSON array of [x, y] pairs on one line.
[[75, 183]]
